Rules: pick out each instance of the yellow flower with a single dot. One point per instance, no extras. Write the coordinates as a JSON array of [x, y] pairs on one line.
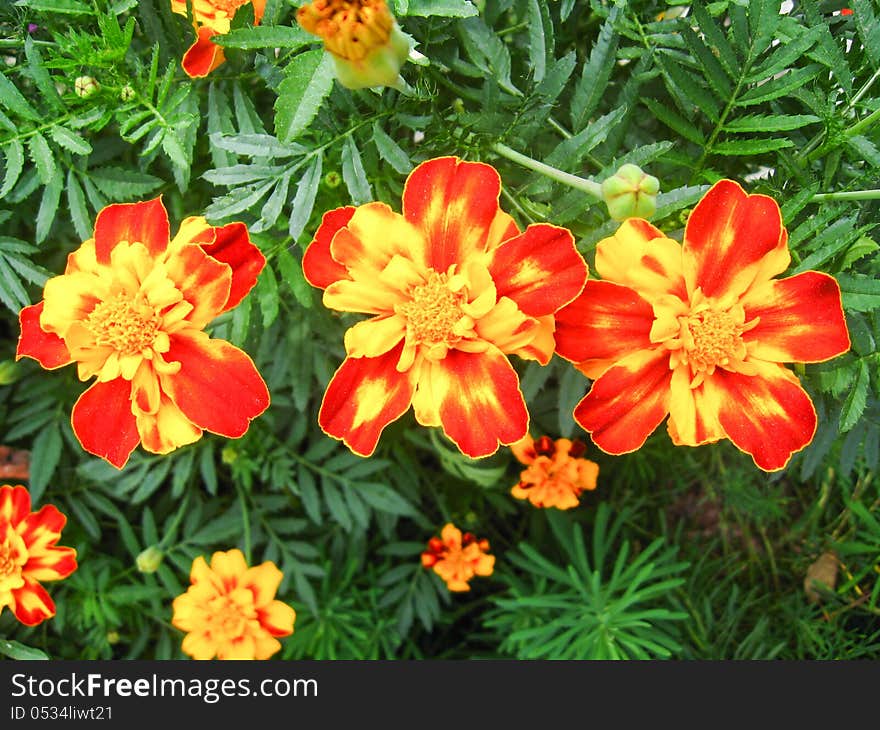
[[230, 611], [457, 558], [556, 473], [366, 44]]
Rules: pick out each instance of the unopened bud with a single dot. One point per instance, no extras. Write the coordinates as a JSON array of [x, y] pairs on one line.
[[113, 637], [126, 93], [85, 86], [630, 193], [228, 455], [332, 179], [149, 560]]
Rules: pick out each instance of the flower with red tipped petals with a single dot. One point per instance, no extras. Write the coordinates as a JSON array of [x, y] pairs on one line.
[[699, 332], [457, 558], [30, 556], [556, 472], [453, 287], [230, 612], [130, 310], [211, 18]]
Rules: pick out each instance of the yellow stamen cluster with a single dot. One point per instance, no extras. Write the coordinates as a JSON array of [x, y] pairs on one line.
[[351, 29], [7, 561], [127, 325], [433, 311], [714, 339], [227, 619]]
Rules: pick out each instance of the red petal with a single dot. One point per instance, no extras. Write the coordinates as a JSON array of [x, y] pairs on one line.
[[318, 265], [454, 203], [204, 282], [801, 319], [603, 325], [32, 605], [232, 245], [733, 239], [540, 269], [103, 422], [15, 504], [50, 563], [478, 400], [218, 387], [768, 415], [203, 56], [259, 8], [145, 222], [627, 402], [46, 348], [364, 396]]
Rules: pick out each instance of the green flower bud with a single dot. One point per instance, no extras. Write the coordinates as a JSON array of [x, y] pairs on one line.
[[126, 93], [630, 193], [85, 86], [149, 560]]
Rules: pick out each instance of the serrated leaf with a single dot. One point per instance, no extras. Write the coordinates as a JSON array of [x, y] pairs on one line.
[[353, 173], [272, 207], [256, 145], [383, 498], [304, 200], [265, 36], [37, 71], [716, 39], [12, 293], [267, 295], [45, 455], [571, 151], [868, 28], [441, 8], [856, 399], [770, 122], [674, 121], [70, 140], [390, 151], [860, 293], [711, 67], [780, 86], [687, 83], [76, 205], [336, 505], [291, 272], [537, 40], [48, 207], [308, 79], [590, 88], [65, 7], [785, 56], [746, 147], [123, 184], [14, 151], [11, 98], [44, 160]]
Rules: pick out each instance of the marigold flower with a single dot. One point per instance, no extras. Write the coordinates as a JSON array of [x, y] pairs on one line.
[[457, 558], [29, 555], [130, 309], [210, 18], [230, 611], [366, 44], [454, 287], [556, 474], [699, 332]]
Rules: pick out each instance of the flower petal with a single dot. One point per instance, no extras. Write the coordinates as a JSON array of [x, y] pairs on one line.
[[232, 245], [103, 422], [262, 581], [455, 204], [627, 402], [204, 282], [375, 336], [203, 56], [167, 428], [768, 415], [800, 319], [641, 257], [477, 400], [319, 267], [45, 347], [364, 396], [693, 412], [52, 563], [277, 618], [145, 222], [540, 269], [229, 566], [731, 240], [15, 504], [217, 387], [32, 604], [603, 325]]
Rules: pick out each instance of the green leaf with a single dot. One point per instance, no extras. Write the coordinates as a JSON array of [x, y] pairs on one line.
[[308, 79], [14, 151], [442, 8], [267, 295], [384, 499], [43, 158], [712, 68], [12, 99], [687, 83], [45, 455], [292, 273], [124, 184], [12, 293], [868, 28], [770, 122], [49, 206], [336, 505], [785, 56], [16, 650], [590, 88], [860, 293], [37, 71], [537, 39], [353, 173], [571, 151], [779, 87], [390, 151], [745, 147], [70, 140], [715, 39], [856, 399], [265, 36], [256, 145], [304, 200], [65, 7], [674, 121]]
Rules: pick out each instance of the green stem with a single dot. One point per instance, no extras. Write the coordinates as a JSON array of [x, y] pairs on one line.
[[566, 178], [246, 524], [848, 195], [863, 124]]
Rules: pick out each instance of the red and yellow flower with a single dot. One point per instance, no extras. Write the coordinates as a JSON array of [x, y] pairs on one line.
[[457, 558], [210, 18], [362, 37], [556, 472], [699, 332], [453, 287], [130, 310], [230, 611], [29, 555]]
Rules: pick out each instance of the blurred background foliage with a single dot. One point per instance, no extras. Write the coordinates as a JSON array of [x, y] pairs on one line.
[[679, 553]]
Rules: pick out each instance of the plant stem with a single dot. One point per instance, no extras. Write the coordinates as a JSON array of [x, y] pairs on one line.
[[566, 178], [848, 195]]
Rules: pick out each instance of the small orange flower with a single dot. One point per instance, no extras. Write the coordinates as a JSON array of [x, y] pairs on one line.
[[457, 558], [230, 611], [210, 18], [556, 473], [28, 555], [366, 44], [130, 309]]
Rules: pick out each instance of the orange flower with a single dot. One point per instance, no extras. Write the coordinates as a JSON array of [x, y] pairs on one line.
[[698, 332], [28, 555], [366, 44], [457, 558], [230, 611], [210, 18], [130, 309], [556, 473], [454, 287]]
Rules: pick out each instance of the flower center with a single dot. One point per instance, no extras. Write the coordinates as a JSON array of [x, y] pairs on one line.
[[227, 620], [127, 325], [228, 6], [8, 565], [350, 28], [433, 311], [13, 556], [715, 339]]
